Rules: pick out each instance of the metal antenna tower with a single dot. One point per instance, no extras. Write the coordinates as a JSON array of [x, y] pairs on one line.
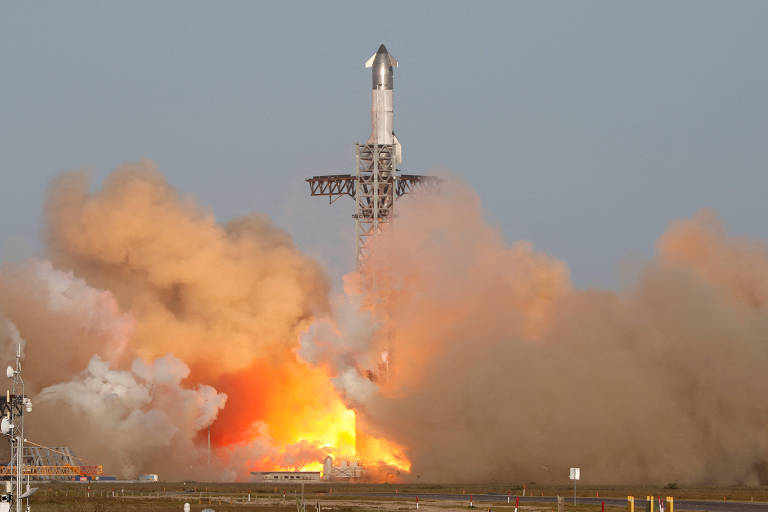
[[377, 181], [13, 406]]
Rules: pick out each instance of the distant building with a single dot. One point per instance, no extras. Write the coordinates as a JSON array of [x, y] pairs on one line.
[[149, 477], [345, 470], [287, 477]]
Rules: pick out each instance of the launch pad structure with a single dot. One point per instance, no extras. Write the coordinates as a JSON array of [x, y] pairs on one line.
[[27, 458], [40, 462], [377, 182], [375, 186]]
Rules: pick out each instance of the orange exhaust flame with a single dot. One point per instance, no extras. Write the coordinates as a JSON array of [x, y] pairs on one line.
[[297, 408]]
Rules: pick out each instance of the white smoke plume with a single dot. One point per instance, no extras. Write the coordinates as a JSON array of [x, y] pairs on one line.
[[60, 314], [140, 418], [10, 340]]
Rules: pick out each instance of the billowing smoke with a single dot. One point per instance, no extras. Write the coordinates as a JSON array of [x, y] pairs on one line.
[[217, 295], [134, 419], [60, 314], [453, 353], [483, 363], [150, 322]]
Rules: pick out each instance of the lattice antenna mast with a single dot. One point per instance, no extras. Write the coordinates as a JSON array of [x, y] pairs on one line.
[[14, 405], [18, 390], [377, 181]]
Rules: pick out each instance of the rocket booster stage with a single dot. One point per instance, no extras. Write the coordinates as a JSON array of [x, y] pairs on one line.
[[382, 130]]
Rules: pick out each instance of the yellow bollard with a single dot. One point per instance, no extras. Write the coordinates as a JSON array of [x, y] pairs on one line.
[[630, 504], [650, 503], [670, 504]]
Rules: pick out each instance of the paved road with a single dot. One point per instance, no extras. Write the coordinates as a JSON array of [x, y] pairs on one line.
[[640, 504]]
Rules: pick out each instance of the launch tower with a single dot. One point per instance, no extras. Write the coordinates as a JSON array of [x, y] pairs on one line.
[[377, 181]]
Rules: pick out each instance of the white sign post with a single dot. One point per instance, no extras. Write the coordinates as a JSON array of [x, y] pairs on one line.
[[574, 475]]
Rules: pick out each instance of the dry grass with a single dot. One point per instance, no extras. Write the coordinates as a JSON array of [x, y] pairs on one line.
[[119, 497]]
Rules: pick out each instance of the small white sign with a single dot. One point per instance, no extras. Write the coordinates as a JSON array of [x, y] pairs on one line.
[[575, 473]]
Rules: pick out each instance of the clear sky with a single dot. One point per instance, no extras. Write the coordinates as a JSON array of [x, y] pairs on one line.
[[585, 127]]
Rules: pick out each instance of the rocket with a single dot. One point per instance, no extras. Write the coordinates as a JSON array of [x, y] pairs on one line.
[[382, 130]]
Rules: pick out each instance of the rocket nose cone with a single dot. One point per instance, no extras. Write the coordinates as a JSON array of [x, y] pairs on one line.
[[382, 69]]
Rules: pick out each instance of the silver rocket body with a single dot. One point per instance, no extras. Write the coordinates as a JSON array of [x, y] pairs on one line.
[[382, 113]]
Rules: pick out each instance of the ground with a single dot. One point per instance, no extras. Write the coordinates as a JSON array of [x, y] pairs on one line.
[[162, 496]]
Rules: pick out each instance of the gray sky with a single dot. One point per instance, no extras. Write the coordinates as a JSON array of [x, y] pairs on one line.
[[585, 127]]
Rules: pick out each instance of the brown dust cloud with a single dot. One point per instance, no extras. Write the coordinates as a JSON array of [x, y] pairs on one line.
[[453, 356]]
